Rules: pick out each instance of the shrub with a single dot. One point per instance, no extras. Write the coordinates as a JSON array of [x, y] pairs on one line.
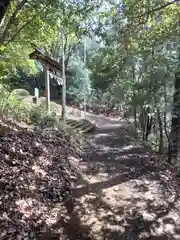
[[20, 94], [4, 96], [18, 105]]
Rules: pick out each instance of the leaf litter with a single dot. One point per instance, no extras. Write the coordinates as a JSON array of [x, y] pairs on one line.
[[36, 174]]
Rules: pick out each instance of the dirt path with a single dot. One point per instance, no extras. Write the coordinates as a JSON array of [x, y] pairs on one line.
[[122, 195]]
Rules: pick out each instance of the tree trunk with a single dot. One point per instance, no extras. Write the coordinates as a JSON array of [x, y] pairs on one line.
[[174, 143], [165, 111], [146, 122], [63, 114], [142, 121], [4, 4], [161, 140], [135, 117], [149, 123]]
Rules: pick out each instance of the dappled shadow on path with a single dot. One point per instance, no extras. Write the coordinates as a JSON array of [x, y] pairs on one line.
[[68, 225], [113, 150], [123, 194]]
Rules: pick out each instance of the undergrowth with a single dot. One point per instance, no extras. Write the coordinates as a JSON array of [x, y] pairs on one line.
[[39, 165], [18, 105], [13, 104]]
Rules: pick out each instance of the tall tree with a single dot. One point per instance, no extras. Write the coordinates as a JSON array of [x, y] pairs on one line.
[[174, 143], [64, 79]]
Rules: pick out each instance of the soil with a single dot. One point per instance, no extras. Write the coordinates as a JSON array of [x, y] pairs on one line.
[[123, 193]]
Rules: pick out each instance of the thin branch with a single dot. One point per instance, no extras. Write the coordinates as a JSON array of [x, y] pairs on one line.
[[26, 24], [162, 6], [156, 9]]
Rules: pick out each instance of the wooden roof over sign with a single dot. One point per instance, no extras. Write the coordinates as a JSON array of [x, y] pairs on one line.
[[47, 61]]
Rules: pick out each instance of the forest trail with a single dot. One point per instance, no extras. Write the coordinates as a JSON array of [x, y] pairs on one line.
[[122, 194]]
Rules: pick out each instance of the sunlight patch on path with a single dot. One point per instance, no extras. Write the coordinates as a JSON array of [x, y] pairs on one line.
[[118, 198]]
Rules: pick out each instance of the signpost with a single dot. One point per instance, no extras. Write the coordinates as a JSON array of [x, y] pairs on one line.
[[36, 92], [36, 95]]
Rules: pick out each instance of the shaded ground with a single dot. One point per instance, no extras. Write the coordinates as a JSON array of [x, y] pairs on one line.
[[36, 171], [123, 194]]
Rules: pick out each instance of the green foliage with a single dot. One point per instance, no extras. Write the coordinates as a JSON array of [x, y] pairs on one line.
[[81, 81], [136, 60], [4, 96], [40, 23], [19, 94], [42, 118], [10, 101], [18, 105], [132, 54]]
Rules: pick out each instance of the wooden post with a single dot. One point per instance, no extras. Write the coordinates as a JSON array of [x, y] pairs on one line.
[[63, 114], [47, 89]]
